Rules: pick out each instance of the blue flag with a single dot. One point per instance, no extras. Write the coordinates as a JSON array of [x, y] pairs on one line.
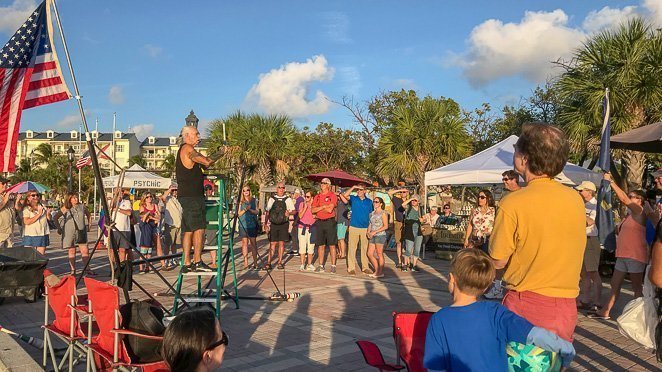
[[605, 215]]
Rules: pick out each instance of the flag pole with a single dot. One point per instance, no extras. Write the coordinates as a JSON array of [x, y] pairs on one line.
[[80, 148], [94, 200], [90, 145]]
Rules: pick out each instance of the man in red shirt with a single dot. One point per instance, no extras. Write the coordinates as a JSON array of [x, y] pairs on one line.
[[324, 209]]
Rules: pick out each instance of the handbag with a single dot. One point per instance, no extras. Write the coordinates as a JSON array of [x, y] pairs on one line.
[[81, 235]]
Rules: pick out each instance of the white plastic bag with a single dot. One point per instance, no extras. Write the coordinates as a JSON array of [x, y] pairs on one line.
[[639, 317]]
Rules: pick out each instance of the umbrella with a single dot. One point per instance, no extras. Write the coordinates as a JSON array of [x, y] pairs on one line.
[[338, 177], [25, 186], [645, 139]]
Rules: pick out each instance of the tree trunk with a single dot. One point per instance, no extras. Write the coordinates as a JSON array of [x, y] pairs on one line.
[[635, 161]]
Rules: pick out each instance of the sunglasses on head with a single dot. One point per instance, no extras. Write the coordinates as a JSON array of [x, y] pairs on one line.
[[223, 341]]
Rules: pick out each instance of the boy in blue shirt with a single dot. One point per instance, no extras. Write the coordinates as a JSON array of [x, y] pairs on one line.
[[471, 335]]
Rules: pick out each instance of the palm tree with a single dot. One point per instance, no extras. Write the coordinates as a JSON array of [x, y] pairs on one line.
[[627, 61], [264, 143], [168, 165], [421, 137], [137, 159], [42, 154]]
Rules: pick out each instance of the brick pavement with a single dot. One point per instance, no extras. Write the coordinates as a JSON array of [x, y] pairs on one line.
[[317, 331]]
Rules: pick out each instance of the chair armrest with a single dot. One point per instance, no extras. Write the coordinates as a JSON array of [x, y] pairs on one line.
[[126, 332], [80, 309]]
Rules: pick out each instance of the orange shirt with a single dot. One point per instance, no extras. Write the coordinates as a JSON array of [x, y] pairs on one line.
[[322, 200]]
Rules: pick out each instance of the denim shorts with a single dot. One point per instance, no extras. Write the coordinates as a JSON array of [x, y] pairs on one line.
[[36, 241], [378, 239]]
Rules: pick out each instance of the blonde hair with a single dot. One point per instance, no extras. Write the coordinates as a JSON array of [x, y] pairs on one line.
[[473, 271]]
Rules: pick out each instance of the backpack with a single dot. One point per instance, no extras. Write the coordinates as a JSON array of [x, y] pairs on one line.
[[143, 317], [277, 212]]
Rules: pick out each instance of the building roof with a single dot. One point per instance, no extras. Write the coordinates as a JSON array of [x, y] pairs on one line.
[[66, 136], [158, 141]]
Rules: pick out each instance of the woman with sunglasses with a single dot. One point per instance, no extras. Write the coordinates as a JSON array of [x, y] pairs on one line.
[[194, 342], [149, 220], [74, 230], [631, 246], [305, 225], [377, 237], [35, 223], [248, 227], [481, 222]]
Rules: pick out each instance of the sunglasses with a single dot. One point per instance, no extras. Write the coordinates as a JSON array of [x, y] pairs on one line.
[[280, 187], [360, 189], [447, 207], [33, 196], [376, 202], [223, 341], [308, 196], [505, 179], [148, 197], [482, 197]]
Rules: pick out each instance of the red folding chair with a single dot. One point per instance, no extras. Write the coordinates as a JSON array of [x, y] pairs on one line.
[[62, 300], [373, 357], [409, 334], [108, 346]]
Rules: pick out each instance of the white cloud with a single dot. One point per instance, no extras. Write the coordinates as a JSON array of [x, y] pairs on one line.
[[12, 16], [286, 89], [654, 8], [336, 27], [598, 20], [142, 130], [527, 48], [69, 121], [116, 95], [153, 51]]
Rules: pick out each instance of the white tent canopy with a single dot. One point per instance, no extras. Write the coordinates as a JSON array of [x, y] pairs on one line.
[[487, 166], [136, 177]]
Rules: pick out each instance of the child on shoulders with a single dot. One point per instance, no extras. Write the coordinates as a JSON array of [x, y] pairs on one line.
[[470, 335]]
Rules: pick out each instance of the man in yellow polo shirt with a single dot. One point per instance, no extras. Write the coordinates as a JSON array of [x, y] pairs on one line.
[[539, 234]]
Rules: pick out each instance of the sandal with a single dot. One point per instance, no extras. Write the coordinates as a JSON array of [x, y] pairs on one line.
[[597, 316]]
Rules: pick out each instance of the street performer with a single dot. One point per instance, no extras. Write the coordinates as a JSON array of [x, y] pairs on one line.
[[188, 169]]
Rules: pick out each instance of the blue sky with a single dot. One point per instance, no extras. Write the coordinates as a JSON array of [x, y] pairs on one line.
[[153, 61]]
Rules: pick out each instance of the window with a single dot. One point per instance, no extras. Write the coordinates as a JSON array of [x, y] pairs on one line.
[[29, 134], [173, 140], [119, 148], [118, 134], [95, 134], [74, 134], [150, 140], [49, 134]]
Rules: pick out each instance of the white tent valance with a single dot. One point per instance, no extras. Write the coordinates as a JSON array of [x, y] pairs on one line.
[[487, 166], [136, 177]]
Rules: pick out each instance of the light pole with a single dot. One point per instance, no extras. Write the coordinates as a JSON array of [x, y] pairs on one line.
[[70, 155]]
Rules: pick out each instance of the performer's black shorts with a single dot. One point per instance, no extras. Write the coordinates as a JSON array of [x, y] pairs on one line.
[[279, 233], [193, 213], [325, 232]]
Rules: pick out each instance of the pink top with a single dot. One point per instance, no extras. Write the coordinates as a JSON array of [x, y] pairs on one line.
[[307, 218], [631, 240]]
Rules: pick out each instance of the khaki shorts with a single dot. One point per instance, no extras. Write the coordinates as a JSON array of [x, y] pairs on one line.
[[397, 227], [172, 235], [592, 254]]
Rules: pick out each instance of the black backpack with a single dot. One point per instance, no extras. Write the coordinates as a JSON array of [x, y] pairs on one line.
[[143, 317], [277, 212]]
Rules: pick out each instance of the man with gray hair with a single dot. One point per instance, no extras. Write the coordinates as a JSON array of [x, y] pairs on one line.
[[190, 180]]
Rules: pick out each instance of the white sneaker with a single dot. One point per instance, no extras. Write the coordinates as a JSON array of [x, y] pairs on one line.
[[310, 267], [495, 292], [302, 267]]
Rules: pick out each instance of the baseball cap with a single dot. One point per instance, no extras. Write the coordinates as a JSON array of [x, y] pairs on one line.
[[326, 180], [657, 173], [586, 185]]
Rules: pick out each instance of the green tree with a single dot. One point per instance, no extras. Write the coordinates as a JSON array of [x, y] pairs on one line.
[[419, 137], [628, 61], [42, 154], [137, 159], [264, 143], [168, 166]]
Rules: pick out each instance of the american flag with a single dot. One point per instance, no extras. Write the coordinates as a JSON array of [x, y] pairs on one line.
[[86, 160], [30, 76]]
